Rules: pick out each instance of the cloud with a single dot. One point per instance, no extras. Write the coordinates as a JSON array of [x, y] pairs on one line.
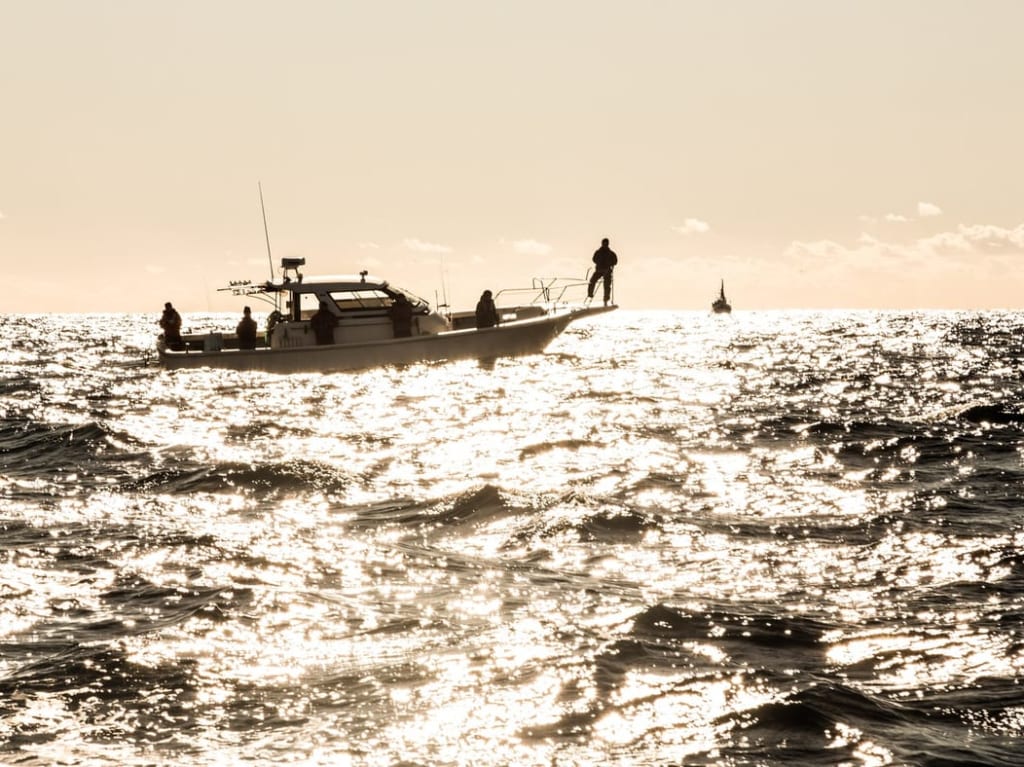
[[976, 238], [531, 247], [368, 245], [971, 241], [692, 226], [924, 210], [420, 246], [820, 249]]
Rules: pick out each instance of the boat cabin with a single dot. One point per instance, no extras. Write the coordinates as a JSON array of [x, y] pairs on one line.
[[363, 306]]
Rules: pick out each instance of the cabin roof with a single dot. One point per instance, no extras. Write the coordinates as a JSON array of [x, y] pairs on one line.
[[348, 282]]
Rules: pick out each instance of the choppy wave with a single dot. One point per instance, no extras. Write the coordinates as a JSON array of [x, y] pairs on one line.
[[671, 539]]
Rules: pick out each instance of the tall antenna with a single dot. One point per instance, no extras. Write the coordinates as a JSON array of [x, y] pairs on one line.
[[266, 232]]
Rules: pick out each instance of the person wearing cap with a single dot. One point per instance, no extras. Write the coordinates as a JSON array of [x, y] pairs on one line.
[[170, 321], [604, 263], [486, 311], [246, 330]]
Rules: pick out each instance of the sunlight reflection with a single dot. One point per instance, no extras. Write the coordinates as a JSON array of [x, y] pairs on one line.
[[443, 563]]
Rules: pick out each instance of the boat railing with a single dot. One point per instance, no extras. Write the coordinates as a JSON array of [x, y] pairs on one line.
[[549, 290]]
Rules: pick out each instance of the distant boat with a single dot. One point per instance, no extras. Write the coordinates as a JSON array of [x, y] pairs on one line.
[[720, 305]]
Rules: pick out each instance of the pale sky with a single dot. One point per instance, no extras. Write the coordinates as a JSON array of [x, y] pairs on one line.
[[813, 154]]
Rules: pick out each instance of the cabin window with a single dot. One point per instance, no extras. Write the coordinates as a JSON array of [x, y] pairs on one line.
[[349, 300], [309, 304], [372, 301]]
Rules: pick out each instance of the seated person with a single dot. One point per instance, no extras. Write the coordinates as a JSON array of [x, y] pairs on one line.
[[486, 311], [170, 321], [246, 330]]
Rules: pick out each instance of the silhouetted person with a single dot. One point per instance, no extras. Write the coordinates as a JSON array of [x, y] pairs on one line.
[[486, 311], [323, 324], [401, 316], [604, 263], [246, 330], [170, 321]]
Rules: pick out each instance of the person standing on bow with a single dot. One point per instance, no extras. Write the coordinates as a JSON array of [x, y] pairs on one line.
[[170, 321], [604, 263]]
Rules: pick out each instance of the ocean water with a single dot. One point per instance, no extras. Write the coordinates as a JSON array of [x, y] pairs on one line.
[[775, 538]]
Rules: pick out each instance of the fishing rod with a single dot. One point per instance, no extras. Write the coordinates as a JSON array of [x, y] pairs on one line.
[[266, 232], [444, 291]]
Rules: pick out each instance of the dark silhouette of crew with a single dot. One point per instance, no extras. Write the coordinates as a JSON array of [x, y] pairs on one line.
[[401, 316], [486, 311], [323, 324], [170, 321], [246, 330], [604, 264]]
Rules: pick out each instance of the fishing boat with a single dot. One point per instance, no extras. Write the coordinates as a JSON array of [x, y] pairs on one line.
[[720, 305], [374, 323]]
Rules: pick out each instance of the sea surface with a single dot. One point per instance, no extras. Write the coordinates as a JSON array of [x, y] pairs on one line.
[[773, 538]]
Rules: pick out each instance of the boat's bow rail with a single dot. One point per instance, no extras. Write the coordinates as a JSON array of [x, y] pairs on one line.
[[545, 296], [547, 291]]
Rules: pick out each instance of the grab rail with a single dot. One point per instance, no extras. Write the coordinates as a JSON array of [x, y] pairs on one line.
[[548, 290]]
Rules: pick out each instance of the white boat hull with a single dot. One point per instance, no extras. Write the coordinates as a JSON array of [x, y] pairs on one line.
[[512, 339]]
